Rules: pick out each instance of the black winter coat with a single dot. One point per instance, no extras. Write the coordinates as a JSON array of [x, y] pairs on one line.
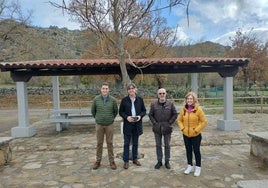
[[162, 117], [125, 111]]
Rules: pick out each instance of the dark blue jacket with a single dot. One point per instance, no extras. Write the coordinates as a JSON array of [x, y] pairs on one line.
[[125, 111]]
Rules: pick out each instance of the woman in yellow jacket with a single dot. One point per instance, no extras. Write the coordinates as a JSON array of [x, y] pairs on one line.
[[191, 122]]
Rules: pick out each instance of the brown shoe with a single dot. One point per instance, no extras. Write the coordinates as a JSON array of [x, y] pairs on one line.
[[96, 165], [113, 165], [136, 162], [126, 165]]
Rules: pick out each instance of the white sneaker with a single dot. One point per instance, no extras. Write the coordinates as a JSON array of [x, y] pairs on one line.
[[197, 171], [189, 169]]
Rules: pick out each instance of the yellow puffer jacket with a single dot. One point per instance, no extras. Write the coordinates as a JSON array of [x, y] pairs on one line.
[[192, 123]]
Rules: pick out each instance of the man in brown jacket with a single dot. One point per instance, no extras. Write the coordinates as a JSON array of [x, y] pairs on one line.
[[162, 115]]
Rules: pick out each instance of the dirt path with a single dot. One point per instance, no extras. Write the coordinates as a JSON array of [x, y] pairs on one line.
[[9, 118]]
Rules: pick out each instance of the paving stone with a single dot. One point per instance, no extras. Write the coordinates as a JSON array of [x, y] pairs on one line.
[[65, 160], [252, 184]]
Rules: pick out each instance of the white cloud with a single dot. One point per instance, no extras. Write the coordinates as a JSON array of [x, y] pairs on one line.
[[261, 35], [45, 15], [57, 18], [211, 19], [182, 37]]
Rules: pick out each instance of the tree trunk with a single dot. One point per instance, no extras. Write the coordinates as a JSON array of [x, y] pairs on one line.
[[124, 73], [123, 67]]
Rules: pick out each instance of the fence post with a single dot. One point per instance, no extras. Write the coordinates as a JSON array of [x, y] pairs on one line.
[[261, 104]]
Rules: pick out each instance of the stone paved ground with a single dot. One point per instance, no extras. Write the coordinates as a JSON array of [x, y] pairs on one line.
[[65, 159]]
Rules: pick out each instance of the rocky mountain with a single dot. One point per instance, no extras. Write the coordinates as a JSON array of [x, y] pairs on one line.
[[35, 43]]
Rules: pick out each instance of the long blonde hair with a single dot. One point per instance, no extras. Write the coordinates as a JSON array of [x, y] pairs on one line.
[[194, 97]]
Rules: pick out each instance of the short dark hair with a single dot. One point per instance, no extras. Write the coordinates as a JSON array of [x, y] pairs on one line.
[[105, 84]]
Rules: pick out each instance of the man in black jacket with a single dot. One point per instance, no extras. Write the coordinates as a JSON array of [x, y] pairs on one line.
[[132, 110], [162, 115]]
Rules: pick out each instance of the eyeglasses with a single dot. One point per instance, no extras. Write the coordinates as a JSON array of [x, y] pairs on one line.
[[131, 88], [161, 93]]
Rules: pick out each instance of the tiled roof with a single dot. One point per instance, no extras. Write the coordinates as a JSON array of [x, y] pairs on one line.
[[23, 71], [5, 66]]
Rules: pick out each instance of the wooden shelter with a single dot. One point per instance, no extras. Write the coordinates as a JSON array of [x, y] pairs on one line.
[[22, 72]]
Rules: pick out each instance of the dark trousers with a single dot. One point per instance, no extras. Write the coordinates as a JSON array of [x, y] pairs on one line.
[[192, 144], [127, 139], [158, 142]]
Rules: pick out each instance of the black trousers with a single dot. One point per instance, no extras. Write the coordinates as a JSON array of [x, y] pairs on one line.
[[192, 145]]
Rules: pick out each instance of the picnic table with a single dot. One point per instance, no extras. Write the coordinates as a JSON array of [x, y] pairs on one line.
[[63, 117]]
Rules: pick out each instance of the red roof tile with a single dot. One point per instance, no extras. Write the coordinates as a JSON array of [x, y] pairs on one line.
[[114, 62], [23, 71]]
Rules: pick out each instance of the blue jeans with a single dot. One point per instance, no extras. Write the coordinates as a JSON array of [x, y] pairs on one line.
[[127, 140], [158, 142]]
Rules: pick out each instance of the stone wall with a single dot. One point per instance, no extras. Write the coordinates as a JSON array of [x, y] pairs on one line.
[[5, 150], [259, 146], [79, 91]]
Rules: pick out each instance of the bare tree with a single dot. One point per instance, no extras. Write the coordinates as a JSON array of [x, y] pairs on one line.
[[11, 17], [115, 21], [248, 46]]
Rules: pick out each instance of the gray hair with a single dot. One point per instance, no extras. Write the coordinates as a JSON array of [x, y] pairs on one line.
[[131, 85]]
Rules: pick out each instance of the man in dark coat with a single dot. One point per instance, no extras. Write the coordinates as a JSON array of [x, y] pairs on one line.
[[132, 110], [162, 115]]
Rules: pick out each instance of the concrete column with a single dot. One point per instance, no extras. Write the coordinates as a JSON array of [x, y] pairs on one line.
[[56, 100], [56, 92], [194, 83], [23, 129], [228, 124]]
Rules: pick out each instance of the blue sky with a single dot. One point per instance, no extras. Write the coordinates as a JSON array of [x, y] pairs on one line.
[[210, 20]]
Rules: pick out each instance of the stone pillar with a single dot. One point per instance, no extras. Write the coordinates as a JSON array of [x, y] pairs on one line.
[[228, 124], [56, 102], [23, 129], [194, 83], [56, 92]]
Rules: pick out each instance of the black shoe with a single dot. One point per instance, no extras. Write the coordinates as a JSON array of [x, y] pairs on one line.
[[158, 165], [167, 165]]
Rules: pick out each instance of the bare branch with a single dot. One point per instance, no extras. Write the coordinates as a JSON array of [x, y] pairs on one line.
[[10, 12], [116, 21]]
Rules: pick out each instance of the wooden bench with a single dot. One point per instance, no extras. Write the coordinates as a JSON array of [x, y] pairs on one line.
[[63, 117], [5, 150], [259, 146]]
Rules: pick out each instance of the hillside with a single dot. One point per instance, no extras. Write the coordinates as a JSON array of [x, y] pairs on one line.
[[35, 43], [205, 49]]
